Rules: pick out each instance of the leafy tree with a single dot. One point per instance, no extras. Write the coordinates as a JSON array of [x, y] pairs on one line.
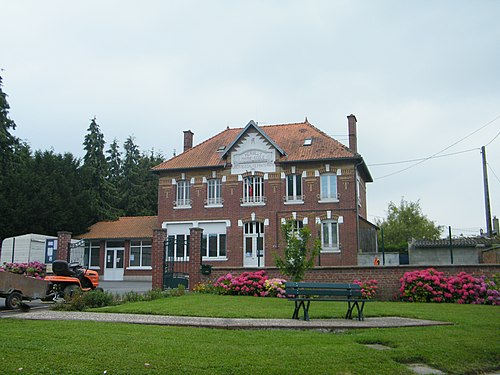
[[405, 222], [298, 257], [95, 172]]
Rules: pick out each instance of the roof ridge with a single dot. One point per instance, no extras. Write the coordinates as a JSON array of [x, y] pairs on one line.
[[307, 123]]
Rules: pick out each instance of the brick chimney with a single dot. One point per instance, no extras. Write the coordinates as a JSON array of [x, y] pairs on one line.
[[188, 140], [353, 139]]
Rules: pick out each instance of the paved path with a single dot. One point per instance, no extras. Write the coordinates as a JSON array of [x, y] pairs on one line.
[[227, 323]]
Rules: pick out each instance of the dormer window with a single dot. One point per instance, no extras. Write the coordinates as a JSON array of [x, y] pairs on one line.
[[308, 142]]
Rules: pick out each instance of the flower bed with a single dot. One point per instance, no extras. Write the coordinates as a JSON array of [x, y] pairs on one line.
[[255, 284], [432, 286], [258, 284], [33, 269], [368, 288]]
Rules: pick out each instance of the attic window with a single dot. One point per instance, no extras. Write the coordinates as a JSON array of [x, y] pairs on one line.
[[308, 141], [221, 148]]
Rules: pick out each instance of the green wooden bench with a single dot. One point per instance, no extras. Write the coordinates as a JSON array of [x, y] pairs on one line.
[[305, 293]]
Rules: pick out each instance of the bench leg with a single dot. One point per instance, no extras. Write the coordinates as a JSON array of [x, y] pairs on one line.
[[360, 311], [350, 307], [348, 315], [305, 306], [306, 311], [298, 304]]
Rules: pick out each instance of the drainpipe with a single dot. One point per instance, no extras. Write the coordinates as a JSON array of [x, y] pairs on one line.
[[357, 205]]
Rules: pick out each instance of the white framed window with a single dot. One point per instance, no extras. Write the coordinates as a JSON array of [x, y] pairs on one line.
[[183, 198], [178, 246], [91, 254], [294, 188], [329, 236], [328, 187], [253, 191], [214, 192], [296, 225], [140, 253], [213, 245]]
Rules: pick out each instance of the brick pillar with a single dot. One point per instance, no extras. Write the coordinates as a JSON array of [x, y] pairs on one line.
[[195, 256], [158, 257], [63, 242]]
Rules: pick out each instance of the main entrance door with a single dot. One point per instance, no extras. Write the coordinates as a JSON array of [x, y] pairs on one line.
[[253, 246], [114, 262]]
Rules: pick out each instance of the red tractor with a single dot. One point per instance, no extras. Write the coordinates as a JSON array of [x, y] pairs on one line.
[[70, 277]]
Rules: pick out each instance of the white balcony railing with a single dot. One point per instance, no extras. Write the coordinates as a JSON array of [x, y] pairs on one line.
[[258, 200]]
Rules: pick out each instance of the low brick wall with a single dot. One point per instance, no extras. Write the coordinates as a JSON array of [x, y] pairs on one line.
[[387, 276]]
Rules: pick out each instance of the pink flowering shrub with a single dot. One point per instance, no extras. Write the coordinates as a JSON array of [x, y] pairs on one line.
[[275, 287], [368, 288], [250, 284], [432, 286], [33, 269]]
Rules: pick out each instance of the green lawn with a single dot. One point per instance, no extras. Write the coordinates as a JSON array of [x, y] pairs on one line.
[[470, 346]]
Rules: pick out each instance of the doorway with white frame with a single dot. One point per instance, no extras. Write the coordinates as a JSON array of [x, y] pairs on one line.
[[253, 244], [114, 261]]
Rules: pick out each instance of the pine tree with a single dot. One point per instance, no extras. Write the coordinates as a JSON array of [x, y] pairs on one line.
[[132, 185], [7, 140], [95, 171], [114, 162], [8, 144]]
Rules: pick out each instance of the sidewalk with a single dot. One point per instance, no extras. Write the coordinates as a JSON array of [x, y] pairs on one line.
[[228, 323]]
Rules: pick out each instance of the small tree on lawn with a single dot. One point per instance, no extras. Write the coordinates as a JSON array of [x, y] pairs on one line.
[[298, 257]]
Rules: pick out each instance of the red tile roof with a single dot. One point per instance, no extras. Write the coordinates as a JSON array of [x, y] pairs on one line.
[[289, 137], [124, 227]]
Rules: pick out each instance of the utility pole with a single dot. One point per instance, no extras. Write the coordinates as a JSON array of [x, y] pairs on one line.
[[489, 230]]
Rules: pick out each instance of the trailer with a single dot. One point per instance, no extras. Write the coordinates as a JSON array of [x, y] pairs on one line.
[[15, 288]]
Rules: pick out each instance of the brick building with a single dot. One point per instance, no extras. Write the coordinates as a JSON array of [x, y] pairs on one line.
[[240, 185], [119, 249]]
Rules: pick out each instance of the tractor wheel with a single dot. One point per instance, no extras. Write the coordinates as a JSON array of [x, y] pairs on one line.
[[69, 291], [13, 300]]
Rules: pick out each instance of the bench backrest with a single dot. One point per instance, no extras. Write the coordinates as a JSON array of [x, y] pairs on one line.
[[323, 289]]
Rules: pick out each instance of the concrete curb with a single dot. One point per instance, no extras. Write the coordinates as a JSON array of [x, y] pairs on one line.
[[228, 323]]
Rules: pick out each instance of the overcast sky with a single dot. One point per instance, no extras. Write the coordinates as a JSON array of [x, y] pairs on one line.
[[420, 76]]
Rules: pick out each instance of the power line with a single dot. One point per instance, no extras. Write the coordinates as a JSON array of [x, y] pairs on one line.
[[495, 137], [491, 170], [439, 152], [413, 160]]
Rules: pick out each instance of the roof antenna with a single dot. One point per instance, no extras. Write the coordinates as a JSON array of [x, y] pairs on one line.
[[174, 152], [307, 122]]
